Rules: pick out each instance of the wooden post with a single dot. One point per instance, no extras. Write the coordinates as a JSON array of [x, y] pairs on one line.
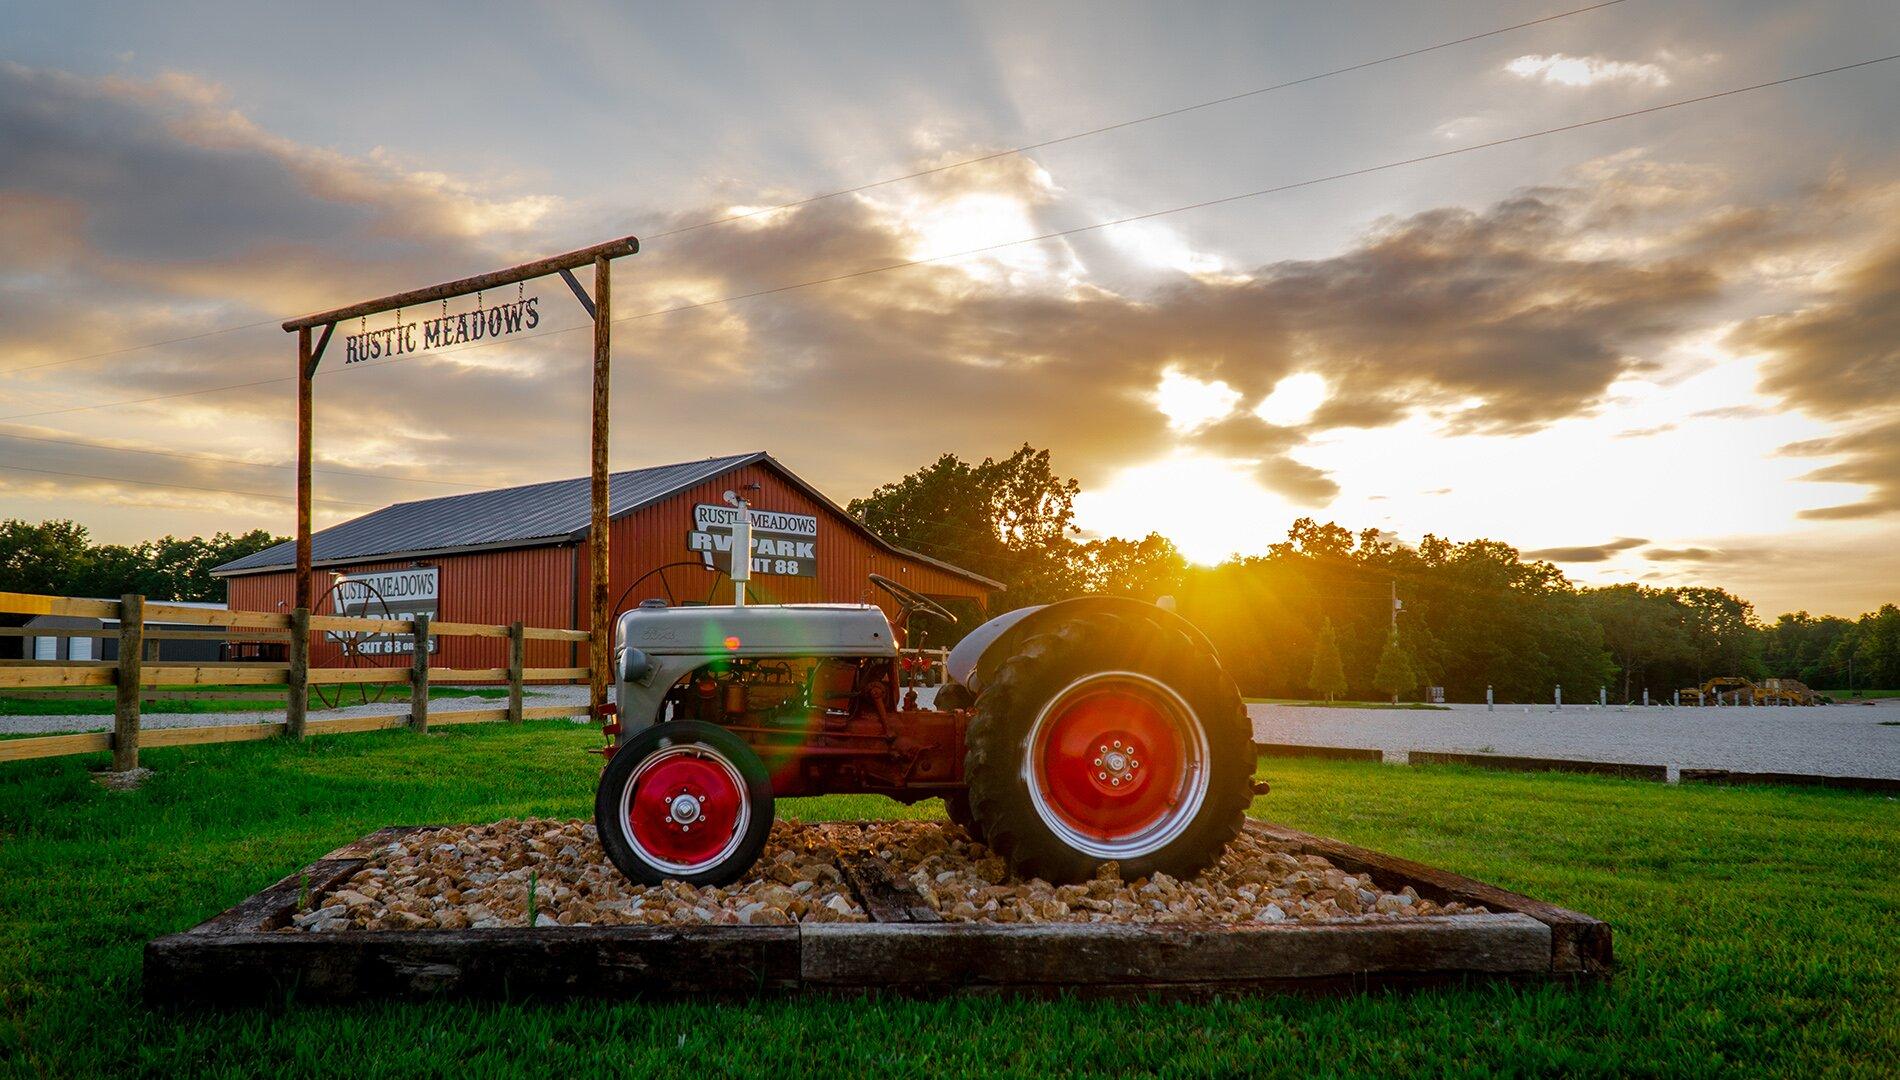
[[517, 660], [303, 596], [125, 723], [600, 642], [419, 678], [297, 699], [297, 703]]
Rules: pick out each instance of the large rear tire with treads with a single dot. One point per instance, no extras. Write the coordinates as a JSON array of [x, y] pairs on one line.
[[1109, 738]]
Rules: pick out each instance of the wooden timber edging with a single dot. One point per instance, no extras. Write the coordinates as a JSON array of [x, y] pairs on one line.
[[243, 955], [1579, 943], [1331, 753], [1537, 764], [1885, 784]]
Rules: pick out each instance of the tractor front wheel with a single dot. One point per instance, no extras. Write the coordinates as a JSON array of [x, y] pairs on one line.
[[684, 801], [1108, 738]]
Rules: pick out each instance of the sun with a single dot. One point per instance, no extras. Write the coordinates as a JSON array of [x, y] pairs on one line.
[[1211, 507], [1191, 403]]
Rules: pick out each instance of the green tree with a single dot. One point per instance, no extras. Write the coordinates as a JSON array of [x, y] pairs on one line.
[[1012, 520], [1722, 633], [56, 557], [44, 558], [1328, 676], [1642, 627], [1394, 675], [1144, 569]]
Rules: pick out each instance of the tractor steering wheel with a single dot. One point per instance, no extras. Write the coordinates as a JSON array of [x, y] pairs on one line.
[[909, 600]]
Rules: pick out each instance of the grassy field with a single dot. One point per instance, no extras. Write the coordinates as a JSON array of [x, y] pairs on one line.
[[1755, 930], [1309, 704], [90, 704]]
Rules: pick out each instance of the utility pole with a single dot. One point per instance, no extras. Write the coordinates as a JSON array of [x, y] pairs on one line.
[[1394, 623]]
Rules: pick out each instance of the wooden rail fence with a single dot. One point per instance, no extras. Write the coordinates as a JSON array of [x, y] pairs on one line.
[[137, 673]]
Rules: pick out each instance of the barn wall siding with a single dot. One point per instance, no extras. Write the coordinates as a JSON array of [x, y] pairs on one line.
[[537, 585]]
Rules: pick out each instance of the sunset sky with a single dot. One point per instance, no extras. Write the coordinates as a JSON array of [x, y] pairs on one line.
[[1664, 349]]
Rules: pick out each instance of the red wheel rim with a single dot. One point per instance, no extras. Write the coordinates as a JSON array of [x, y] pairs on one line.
[[1117, 765], [686, 808]]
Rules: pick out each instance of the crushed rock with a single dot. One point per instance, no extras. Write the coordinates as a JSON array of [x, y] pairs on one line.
[[477, 876], [1256, 880]]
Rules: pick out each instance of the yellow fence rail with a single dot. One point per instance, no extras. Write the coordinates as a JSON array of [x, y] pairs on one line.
[[134, 676]]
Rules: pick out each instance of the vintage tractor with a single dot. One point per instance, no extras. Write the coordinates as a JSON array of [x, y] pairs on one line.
[[1067, 735]]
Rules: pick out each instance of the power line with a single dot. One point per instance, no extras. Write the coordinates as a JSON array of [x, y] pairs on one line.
[[182, 487], [1079, 229], [144, 400], [143, 345], [947, 167], [1118, 125], [214, 459]]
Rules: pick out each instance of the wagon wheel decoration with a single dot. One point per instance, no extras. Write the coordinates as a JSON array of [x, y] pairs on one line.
[[666, 586], [357, 649]]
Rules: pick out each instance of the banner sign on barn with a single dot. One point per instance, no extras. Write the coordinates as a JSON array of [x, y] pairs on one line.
[[784, 544], [386, 594]]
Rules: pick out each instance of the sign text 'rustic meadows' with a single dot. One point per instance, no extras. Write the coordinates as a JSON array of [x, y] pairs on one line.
[[484, 323]]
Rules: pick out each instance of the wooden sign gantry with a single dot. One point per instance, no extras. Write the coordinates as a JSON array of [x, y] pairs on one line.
[[310, 354]]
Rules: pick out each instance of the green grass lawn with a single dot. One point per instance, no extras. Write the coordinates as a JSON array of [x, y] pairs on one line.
[[87, 704], [1846, 695], [1755, 930], [1309, 704]]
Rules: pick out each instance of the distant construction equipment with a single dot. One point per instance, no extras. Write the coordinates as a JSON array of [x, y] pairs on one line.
[[1735, 690]]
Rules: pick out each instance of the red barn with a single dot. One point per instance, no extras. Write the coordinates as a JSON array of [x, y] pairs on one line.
[[521, 554]]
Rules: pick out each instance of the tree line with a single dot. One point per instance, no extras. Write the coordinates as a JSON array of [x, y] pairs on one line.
[[1314, 615], [59, 558]]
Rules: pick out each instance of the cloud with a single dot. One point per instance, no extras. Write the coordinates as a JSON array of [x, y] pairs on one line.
[[1688, 554], [1838, 358], [1871, 456], [1733, 412], [1501, 319], [1590, 553], [1842, 353], [1646, 432], [1560, 69]]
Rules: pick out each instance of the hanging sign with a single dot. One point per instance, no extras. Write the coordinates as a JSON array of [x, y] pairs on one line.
[[387, 594], [784, 544], [485, 323]]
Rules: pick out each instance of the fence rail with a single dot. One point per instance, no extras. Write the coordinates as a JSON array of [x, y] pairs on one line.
[[134, 676]]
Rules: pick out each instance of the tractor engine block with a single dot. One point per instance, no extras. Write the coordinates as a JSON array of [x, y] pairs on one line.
[[828, 725]]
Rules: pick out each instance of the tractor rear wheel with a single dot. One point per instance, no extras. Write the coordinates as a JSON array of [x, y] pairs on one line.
[[684, 801], [956, 807], [1109, 738]]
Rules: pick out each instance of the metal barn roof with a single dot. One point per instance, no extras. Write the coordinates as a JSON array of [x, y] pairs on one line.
[[504, 517], [556, 511]]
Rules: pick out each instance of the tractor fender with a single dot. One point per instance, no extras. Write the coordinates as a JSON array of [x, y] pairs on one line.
[[984, 648]]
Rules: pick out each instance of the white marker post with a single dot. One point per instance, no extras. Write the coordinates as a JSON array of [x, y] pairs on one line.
[[1560, 695], [741, 547], [1487, 699]]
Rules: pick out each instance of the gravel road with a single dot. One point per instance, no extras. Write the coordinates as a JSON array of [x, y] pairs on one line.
[[1843, 740], [1840, 740]]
